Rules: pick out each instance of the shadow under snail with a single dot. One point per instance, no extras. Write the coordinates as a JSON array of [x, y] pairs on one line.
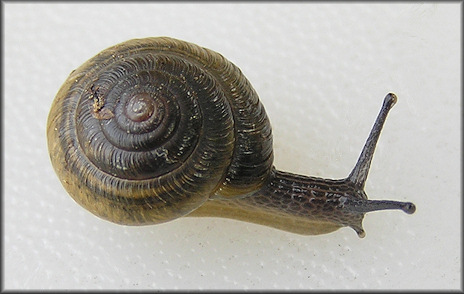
[[154, 129]]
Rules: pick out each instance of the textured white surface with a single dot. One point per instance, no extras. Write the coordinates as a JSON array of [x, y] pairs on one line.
[[321, 71]]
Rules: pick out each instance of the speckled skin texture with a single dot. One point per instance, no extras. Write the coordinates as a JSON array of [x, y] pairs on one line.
[[296, 203]]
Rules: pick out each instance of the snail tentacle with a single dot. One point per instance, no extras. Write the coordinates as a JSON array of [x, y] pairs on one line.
[[358, 175]]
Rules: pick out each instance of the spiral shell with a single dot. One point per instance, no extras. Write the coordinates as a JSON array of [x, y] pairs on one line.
[[149, 129]]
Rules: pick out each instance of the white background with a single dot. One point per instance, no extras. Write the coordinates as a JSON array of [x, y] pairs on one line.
[[322, 71]]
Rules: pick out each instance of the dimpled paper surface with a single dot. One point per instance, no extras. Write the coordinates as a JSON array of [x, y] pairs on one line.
[[321, 71]]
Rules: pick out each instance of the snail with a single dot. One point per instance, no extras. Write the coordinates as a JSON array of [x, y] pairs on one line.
[[154, 129]]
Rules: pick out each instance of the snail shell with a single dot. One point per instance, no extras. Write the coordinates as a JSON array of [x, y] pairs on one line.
[[154, 129]]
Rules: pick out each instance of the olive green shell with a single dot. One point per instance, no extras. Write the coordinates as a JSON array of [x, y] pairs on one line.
[[149, 129]]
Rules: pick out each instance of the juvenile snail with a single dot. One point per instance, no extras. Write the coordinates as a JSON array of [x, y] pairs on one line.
[[154, 129]]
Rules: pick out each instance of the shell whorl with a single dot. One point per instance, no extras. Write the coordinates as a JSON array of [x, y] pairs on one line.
[[154, 127]]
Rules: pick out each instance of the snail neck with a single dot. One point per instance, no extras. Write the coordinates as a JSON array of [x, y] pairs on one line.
[[285, 202], [301, 204]]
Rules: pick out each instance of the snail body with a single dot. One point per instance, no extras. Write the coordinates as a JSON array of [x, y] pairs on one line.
[[154, 129]]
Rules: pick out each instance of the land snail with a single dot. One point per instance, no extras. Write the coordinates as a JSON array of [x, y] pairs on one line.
[[154, 129]]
